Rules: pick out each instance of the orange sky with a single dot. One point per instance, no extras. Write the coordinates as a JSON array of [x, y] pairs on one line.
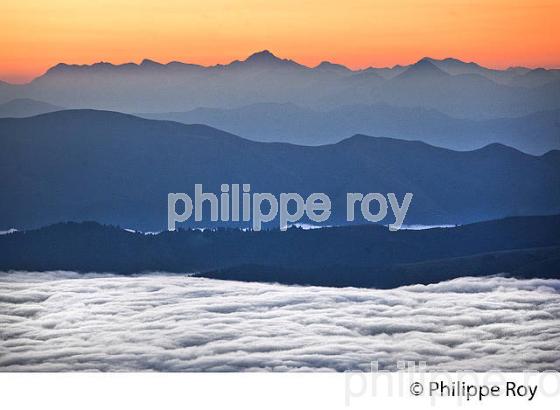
[[36, 34]]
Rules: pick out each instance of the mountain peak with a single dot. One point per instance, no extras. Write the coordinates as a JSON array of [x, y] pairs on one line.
[[262, 56], [451, 60], [423, 68], [327, 65], [60, 67], [98, 66], [266, 59], [150, 63], [425, 63]]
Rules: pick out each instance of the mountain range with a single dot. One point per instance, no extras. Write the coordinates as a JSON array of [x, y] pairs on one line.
[[535, 133], [118, 169], [455, 88], [363, 256]]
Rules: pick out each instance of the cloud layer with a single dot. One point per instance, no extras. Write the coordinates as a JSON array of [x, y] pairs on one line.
[[63, 321]]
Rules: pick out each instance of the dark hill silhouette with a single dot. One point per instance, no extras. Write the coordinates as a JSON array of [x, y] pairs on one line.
[[118, 169], [368, 256]]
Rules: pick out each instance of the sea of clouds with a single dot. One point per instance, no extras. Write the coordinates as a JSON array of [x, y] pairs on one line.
[[64, 321]]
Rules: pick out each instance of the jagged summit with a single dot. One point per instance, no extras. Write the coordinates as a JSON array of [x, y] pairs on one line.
[[265, 58], [99, 66]]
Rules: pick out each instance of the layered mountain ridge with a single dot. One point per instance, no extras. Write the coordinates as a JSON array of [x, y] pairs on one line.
[[118, 169], [458, 89]]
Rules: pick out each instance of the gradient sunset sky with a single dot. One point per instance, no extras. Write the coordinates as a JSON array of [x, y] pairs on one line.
[[36, 35]]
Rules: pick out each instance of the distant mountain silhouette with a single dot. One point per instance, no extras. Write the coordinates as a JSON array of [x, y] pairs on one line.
[[265, 59], [118, 169], [454, 66], [367, 256], [328, 66], [459, 89], [421, 71], [262, 60], [538, 77], [24, 107], [535, 133]]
